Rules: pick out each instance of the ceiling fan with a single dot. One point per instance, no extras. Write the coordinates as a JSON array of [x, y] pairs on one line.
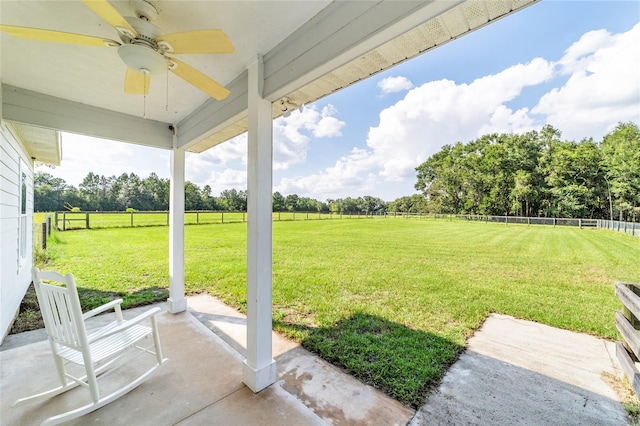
[[143, 48]]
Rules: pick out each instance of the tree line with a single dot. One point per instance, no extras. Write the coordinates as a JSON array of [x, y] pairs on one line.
[[129, 191], [535, 174], [530, 174]]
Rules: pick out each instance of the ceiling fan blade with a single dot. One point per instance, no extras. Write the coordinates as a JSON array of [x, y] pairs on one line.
[[103, 9], [56, 36], [198, 79], [201, 41], [136, 83]]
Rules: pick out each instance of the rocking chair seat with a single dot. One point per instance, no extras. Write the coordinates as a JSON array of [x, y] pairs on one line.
[[111, 339], [96, 351]]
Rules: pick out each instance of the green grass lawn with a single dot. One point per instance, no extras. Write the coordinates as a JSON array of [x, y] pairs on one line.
[[391, 301]]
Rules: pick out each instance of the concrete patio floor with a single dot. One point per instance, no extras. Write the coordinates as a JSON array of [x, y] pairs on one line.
[[513, 372]]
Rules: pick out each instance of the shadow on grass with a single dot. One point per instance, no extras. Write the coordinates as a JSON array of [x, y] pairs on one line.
[[29, 317], [399, 361]]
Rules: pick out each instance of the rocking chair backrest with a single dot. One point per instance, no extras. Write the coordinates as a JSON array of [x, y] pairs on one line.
[[60, 307]]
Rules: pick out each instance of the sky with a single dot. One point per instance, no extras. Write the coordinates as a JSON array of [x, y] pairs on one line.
[[572, 64]]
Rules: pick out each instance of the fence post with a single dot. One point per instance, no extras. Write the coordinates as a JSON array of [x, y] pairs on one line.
[[635, 322], [131, 221], [44, 235], [64, 221], [221, 217], [87, 220], [580, 223], [197, 218], [48, 223]]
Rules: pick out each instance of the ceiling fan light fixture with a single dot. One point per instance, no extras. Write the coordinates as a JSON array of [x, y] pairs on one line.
[[141, 58]]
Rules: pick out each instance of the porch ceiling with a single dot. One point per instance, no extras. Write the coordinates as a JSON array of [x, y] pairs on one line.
[[310, 49], [43, 145]]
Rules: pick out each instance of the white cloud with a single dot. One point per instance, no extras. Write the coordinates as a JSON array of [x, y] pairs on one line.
[[603, 86], [429, 116], [443, 112], [344, 179], [228, 179], [291, 135], [217, 166], [394, 84], [84, 154]]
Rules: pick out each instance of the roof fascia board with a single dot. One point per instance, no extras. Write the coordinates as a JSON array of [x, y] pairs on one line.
[[339, 34], [33, 108], [214, 115]]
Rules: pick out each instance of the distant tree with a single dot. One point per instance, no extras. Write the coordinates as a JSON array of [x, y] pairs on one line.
[[233, 200], [291, 202], [621, 161], [278, 202], [48, 192]]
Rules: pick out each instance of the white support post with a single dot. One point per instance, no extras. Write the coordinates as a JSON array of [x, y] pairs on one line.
[[259, 369], [176, 302]]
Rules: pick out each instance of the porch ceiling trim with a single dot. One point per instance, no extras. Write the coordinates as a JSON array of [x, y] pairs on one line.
[[36, 109]]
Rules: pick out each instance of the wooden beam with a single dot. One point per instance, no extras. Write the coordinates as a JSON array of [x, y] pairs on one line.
[[213, 115], [340, 33], [176, 302], [33, 108], [259, 369]]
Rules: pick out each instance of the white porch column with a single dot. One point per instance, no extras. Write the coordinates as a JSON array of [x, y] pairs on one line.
[[259, 369], [176, 302]]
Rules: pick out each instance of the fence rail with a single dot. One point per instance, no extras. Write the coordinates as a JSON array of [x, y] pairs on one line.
[[64, 221], [628, 324]]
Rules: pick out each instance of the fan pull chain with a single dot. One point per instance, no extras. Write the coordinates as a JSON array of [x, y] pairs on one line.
[[144, 102]]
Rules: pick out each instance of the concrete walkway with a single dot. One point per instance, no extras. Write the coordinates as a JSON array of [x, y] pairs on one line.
[[514, 372], [517, 372]]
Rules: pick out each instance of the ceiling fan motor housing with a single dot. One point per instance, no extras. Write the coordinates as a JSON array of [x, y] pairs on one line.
[[142, 59], [142, 53]]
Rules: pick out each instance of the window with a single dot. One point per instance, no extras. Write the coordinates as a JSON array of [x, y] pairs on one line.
[[22, 218]]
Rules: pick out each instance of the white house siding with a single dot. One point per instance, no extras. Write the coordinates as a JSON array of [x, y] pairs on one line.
[[15, 274]]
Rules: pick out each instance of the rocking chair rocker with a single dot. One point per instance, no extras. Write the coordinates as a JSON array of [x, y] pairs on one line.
[[97, 351]]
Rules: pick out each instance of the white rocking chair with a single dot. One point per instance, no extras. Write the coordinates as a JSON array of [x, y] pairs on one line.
[[98, 351]]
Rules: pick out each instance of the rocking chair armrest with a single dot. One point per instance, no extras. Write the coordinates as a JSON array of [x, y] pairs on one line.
[[113, 304], [126, 324]]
